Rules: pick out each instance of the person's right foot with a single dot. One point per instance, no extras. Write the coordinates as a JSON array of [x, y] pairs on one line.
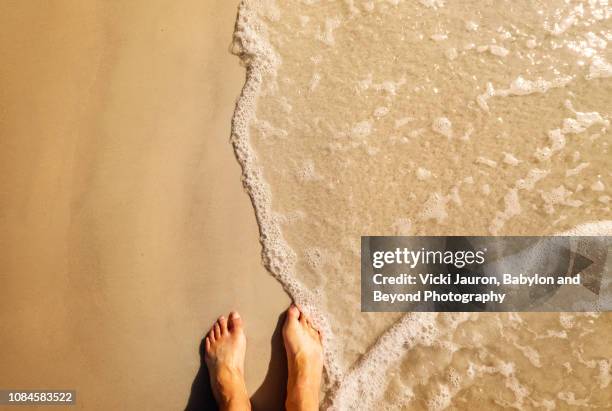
[[225, 350], [304, 360]]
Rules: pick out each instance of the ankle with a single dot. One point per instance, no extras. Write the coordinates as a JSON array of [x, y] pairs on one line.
[[236, 404], [234, 401], [231, 389], [306, 400], [303, 390]]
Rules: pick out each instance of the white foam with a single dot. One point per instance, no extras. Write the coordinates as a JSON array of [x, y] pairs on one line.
[[521, 87], [531, 43], [597, 186], [251, 45], [362, 129], [402, 226], [511, 160], [327, 34], [599, 68], [576, 170], [401, 122], [498, 50], [423, 174], [512, 207], [451, 53], [434, 4], [443, 126], [486, 161], [558, 196], [435, 208], [471, 25], [381, 112]]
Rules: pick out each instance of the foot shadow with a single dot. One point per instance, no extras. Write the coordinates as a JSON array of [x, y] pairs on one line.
[[270, 395], [201, 396]]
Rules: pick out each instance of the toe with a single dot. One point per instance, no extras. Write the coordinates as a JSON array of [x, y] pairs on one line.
[[293, 314], [303, 319], [211, 334], [217, 331], [235, 322], [315, 333], [207, 344], [222, 325]]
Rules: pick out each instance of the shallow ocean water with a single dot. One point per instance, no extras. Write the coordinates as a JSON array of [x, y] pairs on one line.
[[429, 117]]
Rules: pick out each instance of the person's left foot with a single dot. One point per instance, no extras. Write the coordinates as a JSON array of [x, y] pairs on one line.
[[225, 351]]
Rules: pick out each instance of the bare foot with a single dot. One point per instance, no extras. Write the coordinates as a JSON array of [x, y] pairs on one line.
[[225, 350], [305, 361]]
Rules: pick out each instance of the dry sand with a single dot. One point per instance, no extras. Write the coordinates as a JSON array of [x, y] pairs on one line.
[[443, 118], [124, 229]]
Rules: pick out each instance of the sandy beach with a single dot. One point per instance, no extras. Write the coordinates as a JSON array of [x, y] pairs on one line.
[[127, 225], [125, 230]]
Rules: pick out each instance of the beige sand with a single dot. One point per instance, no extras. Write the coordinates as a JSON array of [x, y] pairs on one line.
[[124, 229]]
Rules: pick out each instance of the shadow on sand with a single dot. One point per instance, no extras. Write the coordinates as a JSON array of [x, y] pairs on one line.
[[270, 396]]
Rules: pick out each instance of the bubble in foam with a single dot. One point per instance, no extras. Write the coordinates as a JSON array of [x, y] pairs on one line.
[[400, 122], [498, 50], [435, 208], [434, 4], [605, 373], [471, 25], [486, 161], [314, 81], [576, 170], [327, 34], [557, 139], [558, 196], [362, 129], [443, 126], [521, 87], [543, 154], [422, 174], [451, 53], [531, 354], [570, 398], [314, 257], [381, 111], [510, 159], [306, 172], [402, 226], [512, 208], [439, 37], [533, 176], [531, 43], [599, 68], [597, 186], [440, 398]]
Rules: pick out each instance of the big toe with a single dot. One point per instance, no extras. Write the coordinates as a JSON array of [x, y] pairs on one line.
[[235, 321], [293, 314]]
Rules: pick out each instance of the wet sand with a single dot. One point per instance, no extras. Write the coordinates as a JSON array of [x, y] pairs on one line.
[[124, 227], [430, 118]]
